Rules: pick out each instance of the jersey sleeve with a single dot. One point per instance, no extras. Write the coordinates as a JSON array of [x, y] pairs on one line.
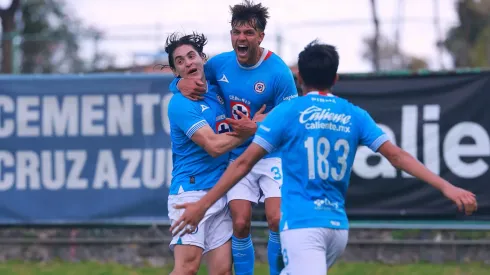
[[285, 87], [270, 132], [185, 115], [370, 134]]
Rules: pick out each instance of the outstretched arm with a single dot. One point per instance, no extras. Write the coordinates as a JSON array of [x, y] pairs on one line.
[[400, 159]]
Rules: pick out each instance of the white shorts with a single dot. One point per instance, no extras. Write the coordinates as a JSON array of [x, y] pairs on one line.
[[265, 176], [213, 231], [319, 247]]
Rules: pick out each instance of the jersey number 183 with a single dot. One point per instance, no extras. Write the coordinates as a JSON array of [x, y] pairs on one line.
[[318, 151]]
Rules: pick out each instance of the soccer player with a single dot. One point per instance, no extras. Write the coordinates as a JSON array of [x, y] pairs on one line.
[[200, 155], [321, 133], [250, 77]]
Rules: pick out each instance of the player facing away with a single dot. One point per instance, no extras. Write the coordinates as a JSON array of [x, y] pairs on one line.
[[200, 155], [321, 133], [249, 77]]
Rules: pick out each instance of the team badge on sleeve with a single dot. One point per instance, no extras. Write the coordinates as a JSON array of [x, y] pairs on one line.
[[259, 87]]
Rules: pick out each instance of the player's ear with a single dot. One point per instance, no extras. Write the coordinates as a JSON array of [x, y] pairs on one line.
[[336, 78], [261, 37], [300, 79]]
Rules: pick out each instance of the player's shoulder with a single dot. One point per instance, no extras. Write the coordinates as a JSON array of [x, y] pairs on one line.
[[222, 57], [214, 91], [274, 60], [179, 102], [289, 105], [354, 110]]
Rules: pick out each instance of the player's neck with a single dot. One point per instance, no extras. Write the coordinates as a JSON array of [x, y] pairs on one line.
[[256, 58], [320, 91]]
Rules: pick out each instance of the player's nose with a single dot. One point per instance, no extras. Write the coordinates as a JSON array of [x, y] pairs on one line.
[[241, 37]]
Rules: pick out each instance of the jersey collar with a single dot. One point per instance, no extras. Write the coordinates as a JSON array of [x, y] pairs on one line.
[[319, 93], [262, 58]]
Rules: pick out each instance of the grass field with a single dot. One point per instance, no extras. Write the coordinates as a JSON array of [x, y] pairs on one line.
[[340, 269]]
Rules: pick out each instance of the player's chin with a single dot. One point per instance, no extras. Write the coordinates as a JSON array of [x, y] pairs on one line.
[[196, 75]]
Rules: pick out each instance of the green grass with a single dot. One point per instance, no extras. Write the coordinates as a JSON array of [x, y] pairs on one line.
[[16, 268]]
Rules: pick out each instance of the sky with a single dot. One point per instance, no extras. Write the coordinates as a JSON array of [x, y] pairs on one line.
[[141, 26]]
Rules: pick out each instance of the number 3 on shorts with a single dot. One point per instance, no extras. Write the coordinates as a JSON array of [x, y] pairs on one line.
[[277, 173], [285, 257]]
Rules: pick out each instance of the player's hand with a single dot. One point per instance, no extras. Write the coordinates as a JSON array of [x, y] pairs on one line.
[[243, 127], [465, 200], [188, 221], [259, 115], [193, 89]]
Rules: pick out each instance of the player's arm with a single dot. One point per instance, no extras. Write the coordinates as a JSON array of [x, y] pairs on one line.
[[190, 120], [373, 137], [269, 137], [217, 144]]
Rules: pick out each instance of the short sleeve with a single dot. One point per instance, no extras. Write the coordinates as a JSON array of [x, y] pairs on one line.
[[184, 113], [285, 87], [370, 134], [271, 131]]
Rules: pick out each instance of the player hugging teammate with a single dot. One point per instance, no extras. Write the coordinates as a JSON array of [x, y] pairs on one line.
[[251, 79], [317, 166], [200, 156]]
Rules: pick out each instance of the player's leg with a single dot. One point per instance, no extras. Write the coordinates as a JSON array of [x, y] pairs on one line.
[[304, 251], [188, 248], [274, 254], [218, 243], [187, 259], [337, 242], [219, 260], [240, 199], [270, 182]]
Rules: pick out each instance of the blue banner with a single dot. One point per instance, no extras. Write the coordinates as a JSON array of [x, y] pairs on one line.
[[84, 149]]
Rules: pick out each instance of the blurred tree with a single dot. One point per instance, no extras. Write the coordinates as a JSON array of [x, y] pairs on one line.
[[389, 57], [50, 38], [7, 16], [469, 42], [374, 42]]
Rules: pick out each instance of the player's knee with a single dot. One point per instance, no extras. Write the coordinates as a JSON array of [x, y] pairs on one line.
[[185, 270], [224, 269], [241, 227], [273, 221]]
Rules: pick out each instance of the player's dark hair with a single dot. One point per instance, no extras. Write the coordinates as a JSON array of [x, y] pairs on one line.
[[247, 12], [318, 64], [175, 40]]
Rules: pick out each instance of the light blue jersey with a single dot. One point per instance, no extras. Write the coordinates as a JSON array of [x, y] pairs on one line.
[[193, 168], [246, 89], [321, 134]]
